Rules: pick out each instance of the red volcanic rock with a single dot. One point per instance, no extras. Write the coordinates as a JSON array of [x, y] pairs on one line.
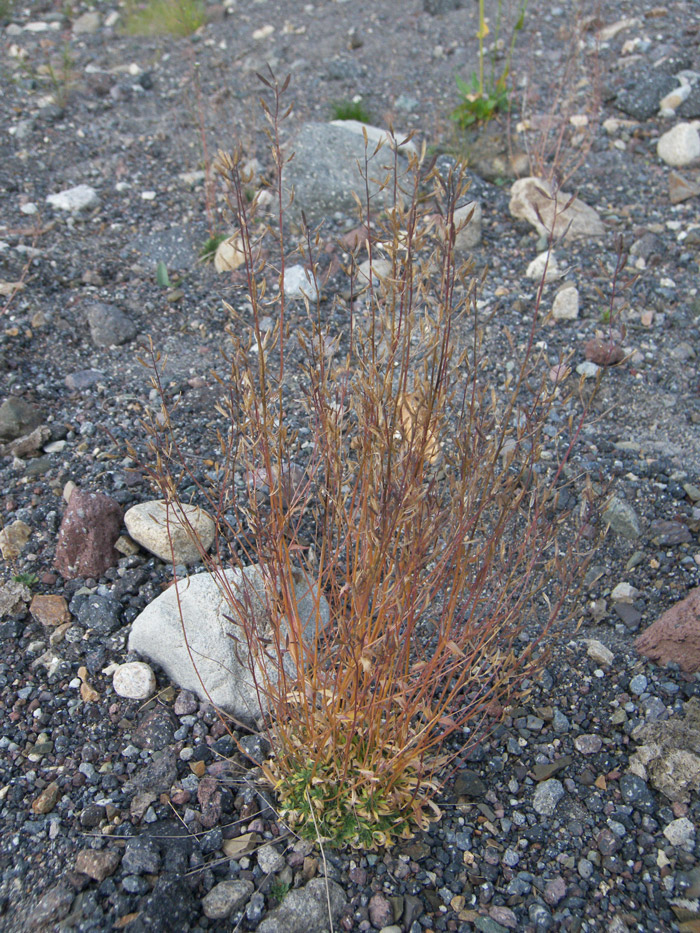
[[603, 352], [90, 527], [675, 636]]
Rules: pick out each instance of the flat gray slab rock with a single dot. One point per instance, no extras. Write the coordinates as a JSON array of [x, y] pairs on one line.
[[202, 650], [326, 173]]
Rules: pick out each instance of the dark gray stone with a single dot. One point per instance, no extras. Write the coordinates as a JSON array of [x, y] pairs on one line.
[[109, 326], [141, 856], [100, 613], [635, 792], [642, 94], [18, 418], [690, 108], [469, 784]]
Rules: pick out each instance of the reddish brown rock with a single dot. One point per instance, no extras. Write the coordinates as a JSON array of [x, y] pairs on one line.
[[675, 636], [90, 527], [50, 610], [603, 352], [97, 864]]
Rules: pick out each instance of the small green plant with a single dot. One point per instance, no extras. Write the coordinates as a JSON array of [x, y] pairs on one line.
[[60, 75], [26, 579], [486, 94], [208, 250], [350, 110], [604, 316], [279, 890], [6, 8], [164, 17]]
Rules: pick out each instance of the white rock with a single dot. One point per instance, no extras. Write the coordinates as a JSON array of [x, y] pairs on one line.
[[379, 269], [624, 593], [468, 226], [681, 833], [171, 533], [671, 102], [202, 621], [299, 283], [229, 254], [80, 198], [680, 145], [535, 201], [87, 24], [134, 680], [565, 305], [376, 135], [597, 651], [29, 208], [546, 797], [536, 269], [587, 369]]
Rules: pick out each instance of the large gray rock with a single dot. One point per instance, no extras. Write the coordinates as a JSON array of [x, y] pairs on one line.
[[226, 671], [325, 173], [305, 910]]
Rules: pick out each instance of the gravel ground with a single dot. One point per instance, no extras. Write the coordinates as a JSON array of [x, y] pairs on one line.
[[123, 815]]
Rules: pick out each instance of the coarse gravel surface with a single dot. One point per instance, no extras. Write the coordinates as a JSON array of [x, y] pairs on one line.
[[115, 813]]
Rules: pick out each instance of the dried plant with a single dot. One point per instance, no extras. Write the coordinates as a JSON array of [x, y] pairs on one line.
[[558, 137], [415, 499]]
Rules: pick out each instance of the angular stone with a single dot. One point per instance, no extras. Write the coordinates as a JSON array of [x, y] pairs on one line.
[[681, 833], [467, 220], [50, 610], [14, 596], [229, 254], [597, 652], [80, 198], [544, 208], [680, 189], [305, 910], [546, 797], [90, 526], [141, 856], [18, 418], [565, 304], [675, 636], [202, 620], [29, 444], [109, 326], [97, 864], [469, 784], [13, 539], [225, 898], [175, 533], [47, 799], [623, 519], [52, 907]]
